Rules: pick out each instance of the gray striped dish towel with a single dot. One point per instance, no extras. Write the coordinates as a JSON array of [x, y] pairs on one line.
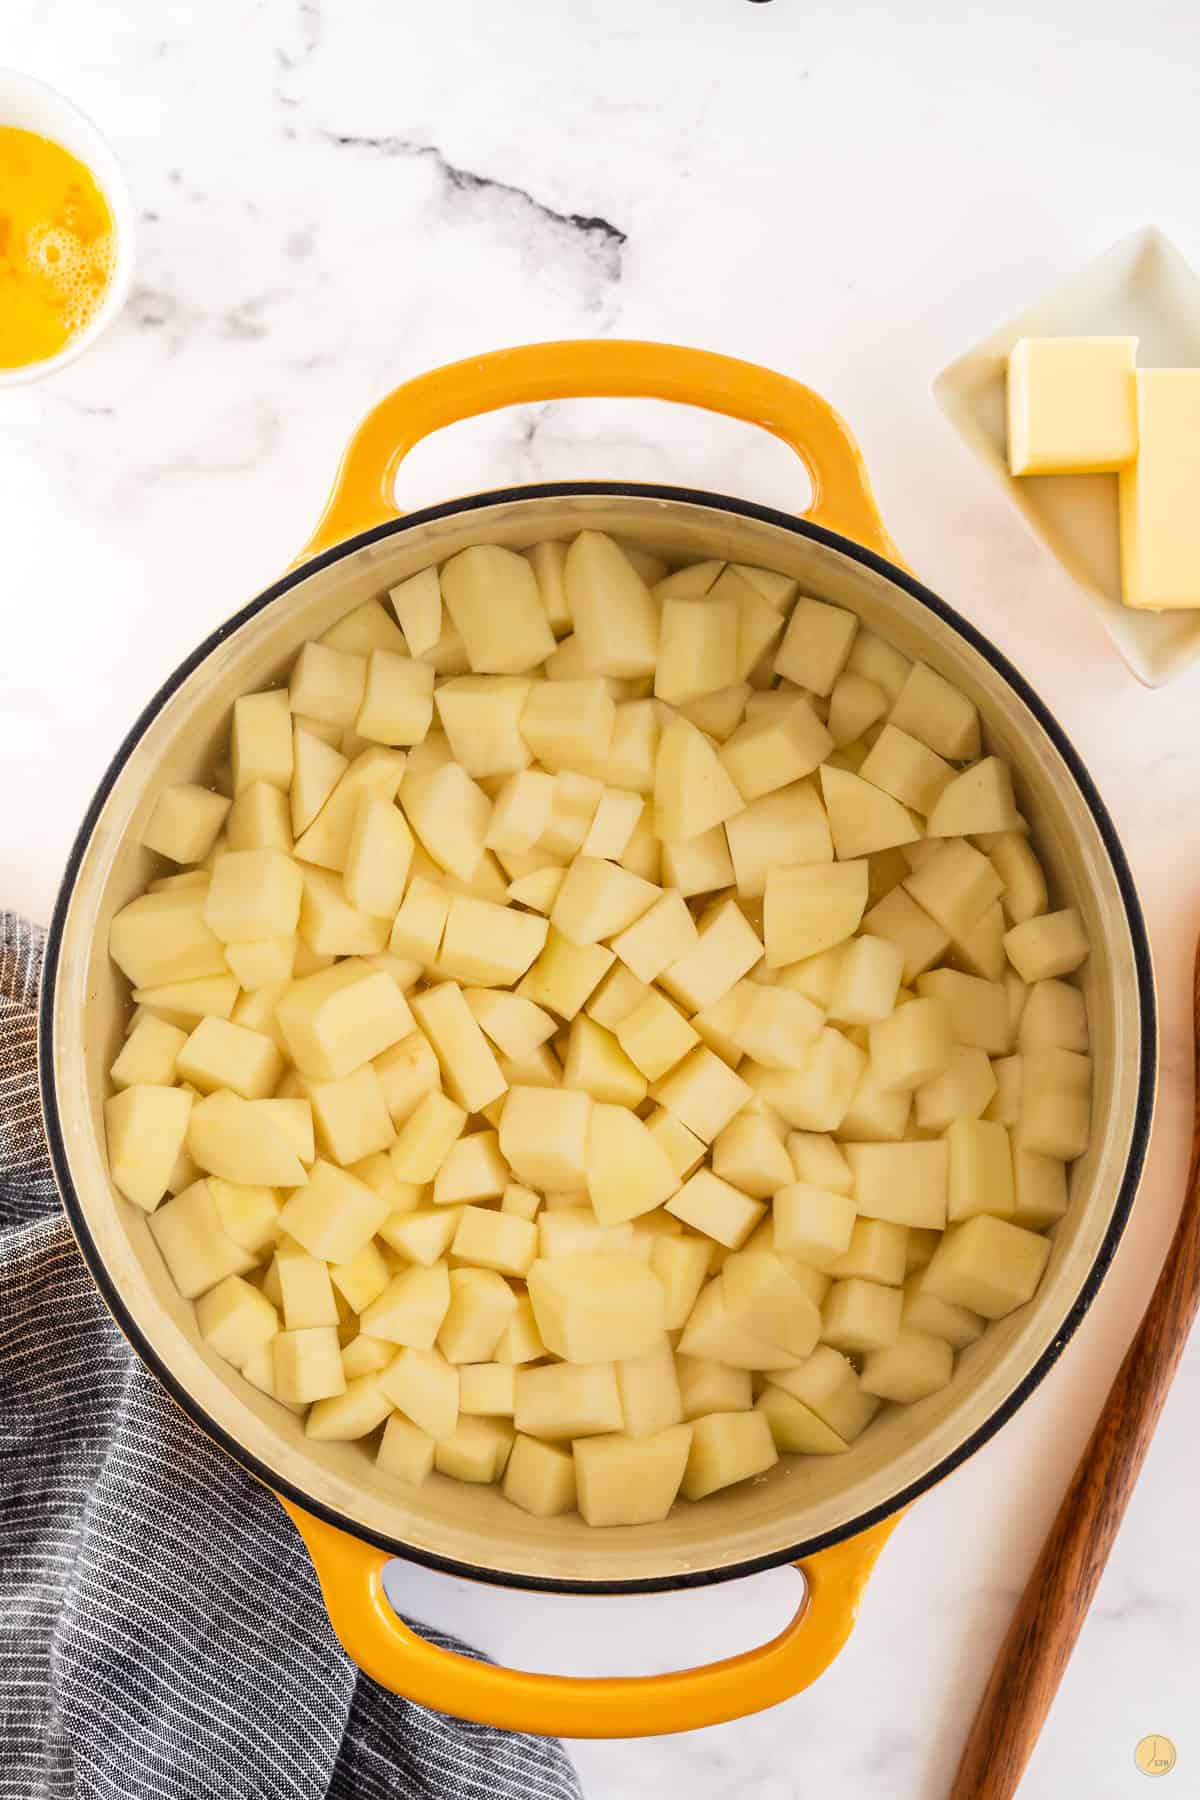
[[161, 1632]]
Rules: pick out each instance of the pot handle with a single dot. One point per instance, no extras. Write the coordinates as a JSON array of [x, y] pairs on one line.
[[351, 1576], [602, 367]]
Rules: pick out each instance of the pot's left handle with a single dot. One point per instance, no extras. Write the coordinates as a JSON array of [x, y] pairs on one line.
[[351, 1577], [579, 368]]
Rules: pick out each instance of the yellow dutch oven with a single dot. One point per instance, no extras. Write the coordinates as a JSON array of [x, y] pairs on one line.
[[827, 1515]]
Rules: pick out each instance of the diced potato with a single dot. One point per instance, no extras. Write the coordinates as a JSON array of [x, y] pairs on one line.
[[813, 1223], [326, 841], [353, 1414], [162, 938], [867, 982], [193, 1244], [617, 996], [628, 1172], [1050, 945], [622, 1480], [924, 1312], [827, 1384], [327, 684], [816, 644], [365, 1355], [683, 1149], [854, 704], [987, 1265], [711, 1387], [1005, 1104], [305, 1293], [775, 749], [912, 1368], [567, 1400], [544, 1136], [762, 1294], [727, 947], [351, 1115], [689, 583], [369, 627], [219, 1054], [233, 1138], [1039, 1189], [469, 1067], [330, 925], [407, 1072], [978, 800], [899, 919], [598, 899], [597, 1307], [317, 769], [489, 944], [904, 1183], [714, 1334], [596, 1064], [698, 865], [341, 1017], [938, 714], [727, 1447], [962, 1090], [411, 1308], [955, 886], [697, 647], [538, 890], [492, 596], [615, 616], [817, 1159], [473, 1169], [1025, 894], [269, 962], [397, 705], [818, 1096], [795, 1427], [860, 1315], [185, 822], [308, 1364], [521, 810], [520, 1341], [495, 1240], [913, 1046], [978, 1009], [702, 1092], [520, 1202], [540, 1477], [862, 818], [236, 1320], [405, 1451], [426, 1136], [419, 925], [692, 790], [361, 1279], [659, 939], [569, 725], [425, 1388], [877, 1252], [334, 1215], [422, 1235], [378, 857], [481, 717], [565, 974], [810, 908], [1054, 1113], [417, 604], [718, 714], [655, 1036], [248, 1215], [149, 1055], [487, 1389], [1053, 1018], [749, 1155], [450, 814], [718, 1209]]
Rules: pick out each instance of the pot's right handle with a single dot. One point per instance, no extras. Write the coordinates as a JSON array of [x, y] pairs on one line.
[[351, 1577], [603, 367]]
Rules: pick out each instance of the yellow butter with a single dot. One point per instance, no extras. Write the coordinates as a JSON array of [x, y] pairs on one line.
[[1160, 494], [1071, 405]]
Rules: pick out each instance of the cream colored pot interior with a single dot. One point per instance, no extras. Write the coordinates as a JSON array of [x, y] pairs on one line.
[[801, 1499]]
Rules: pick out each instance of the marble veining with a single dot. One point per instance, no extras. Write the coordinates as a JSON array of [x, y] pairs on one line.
[[332, 199]]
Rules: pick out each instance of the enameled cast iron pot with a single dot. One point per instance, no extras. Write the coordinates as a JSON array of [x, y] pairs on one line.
[[829, 1515]]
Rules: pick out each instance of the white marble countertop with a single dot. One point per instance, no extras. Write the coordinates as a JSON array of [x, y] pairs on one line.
[[334, 197]]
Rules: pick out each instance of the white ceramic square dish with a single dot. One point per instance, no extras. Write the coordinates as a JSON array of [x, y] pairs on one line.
[[1142, 287]]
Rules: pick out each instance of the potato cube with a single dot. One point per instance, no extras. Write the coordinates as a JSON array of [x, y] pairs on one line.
[[492, 596], [488, 944], [473, 1169], [544, 1136], [912, 1368], [955, 886], [702, 1092], [697, 648], [520, 1202], [1053, 1018], [1052, 944], [912, 1047], [425, 1388], [987, 1265], [623, 1480], [979, 800], [253, 894], [877, 1252], [596, 1064], [268, 962], [567, 1400], [235, 1320], [306, 1296], [327, 684], [405, 1451], [378, 857], [899, 919], [727, 947], [1005, 1103], [904, 1183], [317, 768], [162, 938], [813, 1223], [568, 1225], [421, 921], [516, 1026], [780, 829], [938, 714], [450, 814], [716, 1208], [961, 1091], [411, 1308], [1039, 1189], [659, 938], [521, 811], [775, 749], [615, 615], [855, 704], [421, 1235], [616, 998], [261, 743], [905, 768], [649, 1390], [613, 824], [362, 1278], [862, 818], [149, 1054], [978, 1009], [569, 725], [599, 899], [417, 604], [818, 1096], [407, 1072], [259, 819], [481, 716], [592, 1307], [185, 823], [710, 1387], [330, 925], [219, 1054], [540, 1478], [520, 1341], [816, 644], [1025, 893], [924, 1312], [763, 1295], [334, 1215], [233, 1138], [469, 1067], [548, 562], [727, 1446], [1053, 1118], [860, 1315], [810, 908], [369, 627], [655, 1036], [749, 1155], [356, 1413], [868, 980], [565, 974], [248, 1215], [365, 1355], [146, 1127], [628, 1172], [794, 1426], [495, 1240], [341, 1017], [697, 865], [326, 841], [425, 1138], [692, 790], [827, 1384], [351, 1115], [714, 1334], [488, 1389], [308, 1363]]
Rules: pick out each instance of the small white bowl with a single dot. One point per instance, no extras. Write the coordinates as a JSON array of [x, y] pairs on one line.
[[1143, 287], [32, 106]]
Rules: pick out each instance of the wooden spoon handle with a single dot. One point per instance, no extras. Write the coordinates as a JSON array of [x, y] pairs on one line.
[[1055, 1603]]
